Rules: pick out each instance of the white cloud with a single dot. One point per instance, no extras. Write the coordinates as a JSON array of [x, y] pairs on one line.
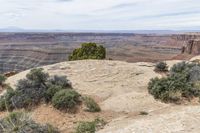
[[100, 14]]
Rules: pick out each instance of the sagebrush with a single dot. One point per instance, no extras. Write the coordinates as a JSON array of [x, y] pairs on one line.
[[66, 99], [20, 122], [181, 83], [161, 67], [38, 86], [91, 105], [90, 126]]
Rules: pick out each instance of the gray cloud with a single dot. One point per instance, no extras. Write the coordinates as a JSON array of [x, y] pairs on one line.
[[100, 14], [64, 0], [124, 5]]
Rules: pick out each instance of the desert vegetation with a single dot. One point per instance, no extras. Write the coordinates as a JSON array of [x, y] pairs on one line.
[[88, 51], [91, 105], [182, 83], [39, 87], [161, 67], [90, 126], [2, 79], [35, 88], [124, 81], [66, 99], [20, 122]]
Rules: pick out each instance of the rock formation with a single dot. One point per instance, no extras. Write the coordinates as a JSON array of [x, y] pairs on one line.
[[192, 47], [21, 51], [191, 43], [121, 90], [187, 36], [15, 59]]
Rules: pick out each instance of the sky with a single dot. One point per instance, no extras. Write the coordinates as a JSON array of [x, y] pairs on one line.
[[100, 14]]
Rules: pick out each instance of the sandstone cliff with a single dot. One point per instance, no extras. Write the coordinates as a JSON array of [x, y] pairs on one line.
[[191, 43], [192, 47], [187, 36]]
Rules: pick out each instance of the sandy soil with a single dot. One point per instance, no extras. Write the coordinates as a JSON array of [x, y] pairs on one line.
[[66, 122], [121, 90]]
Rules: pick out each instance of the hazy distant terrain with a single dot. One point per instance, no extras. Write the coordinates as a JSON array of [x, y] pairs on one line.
[[20, 51]]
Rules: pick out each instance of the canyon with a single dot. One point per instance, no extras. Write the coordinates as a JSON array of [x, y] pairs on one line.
[[118, 85], [21, 51]]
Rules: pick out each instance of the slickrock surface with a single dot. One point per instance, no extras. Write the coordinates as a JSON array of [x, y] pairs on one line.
[[121, 86], [121, 90], [181, 119]]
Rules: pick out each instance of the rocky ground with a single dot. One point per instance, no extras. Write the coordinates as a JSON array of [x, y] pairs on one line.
[[120, 88]]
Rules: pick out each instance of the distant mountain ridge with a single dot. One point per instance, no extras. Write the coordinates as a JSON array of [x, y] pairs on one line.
[[17, 29]]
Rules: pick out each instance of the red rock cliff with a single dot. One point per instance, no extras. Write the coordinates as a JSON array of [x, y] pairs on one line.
[[192, 47], [191, 43]]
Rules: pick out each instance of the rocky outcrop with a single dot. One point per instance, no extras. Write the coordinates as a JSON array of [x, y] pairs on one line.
[[187, 36], [192, 47], [121, 91], [191, 43]]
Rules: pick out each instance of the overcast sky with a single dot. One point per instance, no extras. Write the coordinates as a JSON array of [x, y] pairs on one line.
[[101, 14]]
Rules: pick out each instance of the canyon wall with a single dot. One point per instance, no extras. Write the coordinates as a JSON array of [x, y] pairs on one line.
[[192, 47], [12, 59], [21, 51], [191, 43]]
